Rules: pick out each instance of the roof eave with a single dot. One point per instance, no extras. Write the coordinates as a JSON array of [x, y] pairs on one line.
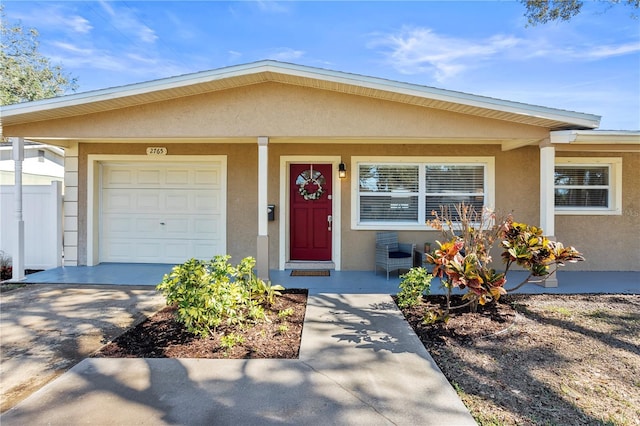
[[570, 119], [599, 137]]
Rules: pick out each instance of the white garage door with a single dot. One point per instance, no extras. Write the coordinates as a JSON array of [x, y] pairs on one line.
[[162, 213]]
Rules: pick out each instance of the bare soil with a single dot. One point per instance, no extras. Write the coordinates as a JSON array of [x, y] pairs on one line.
[[162, 336], [542, 359]]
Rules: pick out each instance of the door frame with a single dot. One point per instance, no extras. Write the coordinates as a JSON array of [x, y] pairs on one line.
[[336, 203]]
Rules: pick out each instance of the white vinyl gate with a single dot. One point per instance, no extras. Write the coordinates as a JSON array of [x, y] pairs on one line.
[[42, 215]]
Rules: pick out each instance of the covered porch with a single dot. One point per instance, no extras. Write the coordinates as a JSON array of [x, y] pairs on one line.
[[345, 282]]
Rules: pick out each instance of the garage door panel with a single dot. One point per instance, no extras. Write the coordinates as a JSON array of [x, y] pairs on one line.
[[119, 250], [113, 177], [146, 226], [177, 201], [209, 178], [149, 177], [209, 228], [204, 250], [127, 226], [206, 202], [178, 249], [116, 201], [161, 213], [177, 226], [178, 177], [117, 224], [148, 201]]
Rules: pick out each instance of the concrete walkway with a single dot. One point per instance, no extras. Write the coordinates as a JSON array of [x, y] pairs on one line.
[[360, 364]]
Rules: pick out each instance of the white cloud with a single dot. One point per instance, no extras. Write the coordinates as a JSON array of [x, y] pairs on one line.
[[286, 54], [135, 64], [57, 18], [272, 6], [79, 24], [591, 52], [607, 51], [420, 50], [124, 19]]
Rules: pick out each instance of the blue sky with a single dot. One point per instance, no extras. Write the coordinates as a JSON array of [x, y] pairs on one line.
[[590, 64]]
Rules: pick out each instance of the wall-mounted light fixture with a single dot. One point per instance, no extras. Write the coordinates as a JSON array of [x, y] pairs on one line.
[[342, 171]]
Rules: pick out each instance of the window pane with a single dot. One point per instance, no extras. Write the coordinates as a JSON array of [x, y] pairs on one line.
[[434, 203], [388, 178], [455, 178], [581, 175], [566, 197], [388, 209]]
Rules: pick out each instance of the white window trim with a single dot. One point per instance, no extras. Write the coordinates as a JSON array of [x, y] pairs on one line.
[[489, 179], [615, 185]]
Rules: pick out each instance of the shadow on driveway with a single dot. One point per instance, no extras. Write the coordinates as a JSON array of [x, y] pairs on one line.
[[46, 329]]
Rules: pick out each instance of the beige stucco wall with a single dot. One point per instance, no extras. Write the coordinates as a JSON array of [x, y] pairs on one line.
[[517, 192], [609, 243], [274, 109]]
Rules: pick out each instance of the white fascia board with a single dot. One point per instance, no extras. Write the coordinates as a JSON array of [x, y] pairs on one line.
[[576, 118], [601, 137], [125, 91]]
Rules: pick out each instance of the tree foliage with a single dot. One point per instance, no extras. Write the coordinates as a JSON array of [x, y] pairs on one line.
[[544, 11], [25, 74]]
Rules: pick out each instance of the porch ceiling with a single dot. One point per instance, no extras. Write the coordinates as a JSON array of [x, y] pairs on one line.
[[271, 71]]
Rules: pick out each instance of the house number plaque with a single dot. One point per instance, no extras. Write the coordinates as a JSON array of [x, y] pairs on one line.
[[156, 150]]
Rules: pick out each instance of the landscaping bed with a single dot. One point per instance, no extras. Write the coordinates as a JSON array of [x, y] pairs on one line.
[[542, 359], [162, 336], [528, 360]]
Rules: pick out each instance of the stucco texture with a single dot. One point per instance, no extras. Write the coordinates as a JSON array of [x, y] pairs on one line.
[[276, 110], [609, 243]]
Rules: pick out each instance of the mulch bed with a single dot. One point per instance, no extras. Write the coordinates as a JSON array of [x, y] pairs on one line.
[[162, 336]]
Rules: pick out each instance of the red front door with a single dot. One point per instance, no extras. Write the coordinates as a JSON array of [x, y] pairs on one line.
[[310, 215]]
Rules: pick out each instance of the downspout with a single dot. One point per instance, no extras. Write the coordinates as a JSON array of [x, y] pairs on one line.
[[17, 273]]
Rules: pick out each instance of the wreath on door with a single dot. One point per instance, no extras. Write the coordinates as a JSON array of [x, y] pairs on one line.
[[310, 184], [306, 194]]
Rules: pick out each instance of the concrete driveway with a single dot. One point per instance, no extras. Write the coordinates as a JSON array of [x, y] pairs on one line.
[[46, 329]]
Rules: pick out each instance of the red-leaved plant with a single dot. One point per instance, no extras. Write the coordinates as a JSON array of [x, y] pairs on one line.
[[464, 260]]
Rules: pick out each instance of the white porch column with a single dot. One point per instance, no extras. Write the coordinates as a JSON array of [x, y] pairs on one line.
[[547, 197], [18, 254], [262, 258]]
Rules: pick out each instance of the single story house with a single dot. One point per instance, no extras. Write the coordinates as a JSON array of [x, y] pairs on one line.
[[297, 165]]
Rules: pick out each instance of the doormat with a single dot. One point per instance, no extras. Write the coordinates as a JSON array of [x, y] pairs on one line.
[[310, 273]]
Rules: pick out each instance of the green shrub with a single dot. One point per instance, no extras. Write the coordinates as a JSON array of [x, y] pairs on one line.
[[413, 285], [229, 341], [208, 294]]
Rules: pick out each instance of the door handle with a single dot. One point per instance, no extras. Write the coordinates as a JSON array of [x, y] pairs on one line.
[[329, 221]]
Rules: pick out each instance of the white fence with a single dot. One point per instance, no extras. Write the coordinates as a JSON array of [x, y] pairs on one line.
[[42, 215]]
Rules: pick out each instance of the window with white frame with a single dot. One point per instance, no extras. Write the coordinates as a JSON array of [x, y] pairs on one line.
[[402, 193], [585, 185]]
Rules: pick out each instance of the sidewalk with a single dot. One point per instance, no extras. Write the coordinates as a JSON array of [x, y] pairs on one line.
[[360, 364]]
